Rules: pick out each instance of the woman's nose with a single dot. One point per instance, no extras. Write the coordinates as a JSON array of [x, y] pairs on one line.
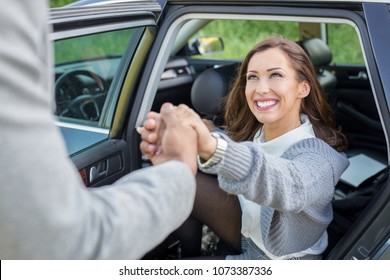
[[262, 87]]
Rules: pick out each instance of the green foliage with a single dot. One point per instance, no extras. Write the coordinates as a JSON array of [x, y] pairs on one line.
[[241, 35], [60, 3], [344, 42], [92, 46]]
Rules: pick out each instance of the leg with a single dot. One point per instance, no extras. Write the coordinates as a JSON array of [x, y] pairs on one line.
[[220, 211]]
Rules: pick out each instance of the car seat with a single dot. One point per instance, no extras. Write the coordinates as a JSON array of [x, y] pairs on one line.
[[209, 88], [321, 56]]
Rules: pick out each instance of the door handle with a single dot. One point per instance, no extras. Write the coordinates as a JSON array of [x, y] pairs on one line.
[[98, 171], [105, 168], [361, 76]]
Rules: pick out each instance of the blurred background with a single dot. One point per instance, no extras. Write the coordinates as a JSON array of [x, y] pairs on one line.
[[59, 3], [239, 33]]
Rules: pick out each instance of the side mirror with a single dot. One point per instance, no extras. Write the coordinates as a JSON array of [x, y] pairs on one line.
[[207, 45]]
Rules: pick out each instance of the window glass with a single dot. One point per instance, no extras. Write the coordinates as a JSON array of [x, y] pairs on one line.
[[344, 42], [85, 68], [92, 46], [239, 36]]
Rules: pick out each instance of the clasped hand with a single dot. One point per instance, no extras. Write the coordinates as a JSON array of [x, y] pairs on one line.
[[176, 133]]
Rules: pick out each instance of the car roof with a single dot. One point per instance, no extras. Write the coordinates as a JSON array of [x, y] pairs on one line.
[[105, 2], [269, 1]]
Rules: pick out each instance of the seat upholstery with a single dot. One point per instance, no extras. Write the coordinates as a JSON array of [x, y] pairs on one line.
[[210, 87], [321, 56]]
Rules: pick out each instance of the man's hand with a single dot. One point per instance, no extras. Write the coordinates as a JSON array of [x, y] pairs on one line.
[[165, 137], [149, 134]]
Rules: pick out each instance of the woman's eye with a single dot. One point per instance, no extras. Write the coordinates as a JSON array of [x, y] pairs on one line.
[[251, 77], [273, 75]]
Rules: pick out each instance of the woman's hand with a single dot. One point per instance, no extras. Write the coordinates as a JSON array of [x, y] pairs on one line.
[[206, 142], [209, 124], [165, 137]]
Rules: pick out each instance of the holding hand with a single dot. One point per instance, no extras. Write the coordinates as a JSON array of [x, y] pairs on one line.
[[206, 142], [165, 137], [154, 129]]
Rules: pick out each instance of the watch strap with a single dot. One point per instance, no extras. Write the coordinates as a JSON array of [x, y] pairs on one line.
[[218, 153]]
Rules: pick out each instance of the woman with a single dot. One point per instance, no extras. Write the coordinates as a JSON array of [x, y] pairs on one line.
[[281, 155]]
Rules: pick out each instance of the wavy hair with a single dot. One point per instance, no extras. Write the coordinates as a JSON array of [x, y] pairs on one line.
[[241, 124]]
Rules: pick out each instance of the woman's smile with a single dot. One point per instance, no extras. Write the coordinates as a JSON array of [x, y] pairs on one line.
[[265, 104]]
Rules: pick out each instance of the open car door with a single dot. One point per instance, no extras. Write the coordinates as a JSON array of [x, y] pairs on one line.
[[98, 54]]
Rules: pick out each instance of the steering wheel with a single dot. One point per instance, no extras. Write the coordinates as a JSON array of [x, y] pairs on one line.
[[74, 99]]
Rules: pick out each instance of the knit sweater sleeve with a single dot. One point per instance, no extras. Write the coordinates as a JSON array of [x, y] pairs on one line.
[[305, 174]]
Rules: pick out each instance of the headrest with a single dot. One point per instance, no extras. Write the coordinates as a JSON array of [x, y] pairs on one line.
[[210, 87], [318, 51]]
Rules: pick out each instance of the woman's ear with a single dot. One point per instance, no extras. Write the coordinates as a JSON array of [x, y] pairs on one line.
[[303, 89]]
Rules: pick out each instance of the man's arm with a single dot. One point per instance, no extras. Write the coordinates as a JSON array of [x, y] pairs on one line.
[[45, 212]]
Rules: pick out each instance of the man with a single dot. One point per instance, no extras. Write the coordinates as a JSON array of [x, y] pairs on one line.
[[45, 213]]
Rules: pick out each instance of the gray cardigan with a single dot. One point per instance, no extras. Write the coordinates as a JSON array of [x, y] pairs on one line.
[[295, 189]]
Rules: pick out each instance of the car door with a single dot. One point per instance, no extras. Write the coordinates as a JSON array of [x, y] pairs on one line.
[[358, 115], [372, 238], [372, 227], [98, 54]]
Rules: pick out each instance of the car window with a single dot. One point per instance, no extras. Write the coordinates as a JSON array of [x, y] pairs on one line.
[[85, 68], [239, 36], [343, 38]]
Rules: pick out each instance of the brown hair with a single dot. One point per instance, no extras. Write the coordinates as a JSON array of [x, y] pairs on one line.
[[241, 124]]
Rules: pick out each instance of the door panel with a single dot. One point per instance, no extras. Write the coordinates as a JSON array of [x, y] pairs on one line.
[[98, 56], [356, 111]]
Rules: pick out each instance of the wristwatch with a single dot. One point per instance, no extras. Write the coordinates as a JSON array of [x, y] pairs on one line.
[[218, 153]]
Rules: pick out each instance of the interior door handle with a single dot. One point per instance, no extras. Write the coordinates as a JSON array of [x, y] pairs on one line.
[[98, 171], [361, 76], [105, 168]]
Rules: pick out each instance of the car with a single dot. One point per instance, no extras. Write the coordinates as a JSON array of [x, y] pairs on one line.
[[117, 60]]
